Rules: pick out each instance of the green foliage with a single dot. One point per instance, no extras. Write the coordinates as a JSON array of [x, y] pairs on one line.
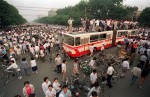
[[9, 15], [144, 18], [101, 9]]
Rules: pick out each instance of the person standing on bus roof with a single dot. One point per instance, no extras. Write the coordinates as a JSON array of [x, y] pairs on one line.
[[70, 22], [91, 48]]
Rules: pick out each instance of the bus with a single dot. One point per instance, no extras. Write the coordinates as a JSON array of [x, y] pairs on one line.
[[76, 44]]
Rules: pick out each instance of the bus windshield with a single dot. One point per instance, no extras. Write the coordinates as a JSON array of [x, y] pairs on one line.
[[68, 40]]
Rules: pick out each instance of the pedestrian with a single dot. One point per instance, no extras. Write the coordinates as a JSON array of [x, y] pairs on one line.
[[92, 63], [75, 67], [51, 92], [93, 77], [25, 66], [91, 48], [65, 92], [64, 69], [33, 65], [56, 86], [16, 68], [18, 52], [144, 74], [95, 88], [143, 59], [58, 62], [125, 67], [110, 72], [70, 23], [28, 89], [45, 84], [136, 72]]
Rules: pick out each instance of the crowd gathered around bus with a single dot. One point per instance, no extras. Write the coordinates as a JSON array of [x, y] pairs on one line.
[[39, 42]]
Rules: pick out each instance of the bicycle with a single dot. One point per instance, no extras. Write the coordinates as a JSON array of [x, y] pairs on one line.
[[8, 76], [54, 69], [79, 85]]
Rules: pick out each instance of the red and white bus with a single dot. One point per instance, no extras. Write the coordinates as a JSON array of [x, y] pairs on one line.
[[77, 44]]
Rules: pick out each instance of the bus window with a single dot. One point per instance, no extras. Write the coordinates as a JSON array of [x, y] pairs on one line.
[[68, 40], [108, 36], [133, 32], [77, 41], [93, 38], [84, 40], [120, 34], [102, 37], [125, 33]]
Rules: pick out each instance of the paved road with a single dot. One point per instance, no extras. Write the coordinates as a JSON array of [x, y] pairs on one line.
[[120, 89]]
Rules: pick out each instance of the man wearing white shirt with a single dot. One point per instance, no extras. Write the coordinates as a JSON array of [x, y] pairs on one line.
[[64, 70], [51, 92], [56, 86], [15, 67], [93, 77], [110, 72], [45, 84], [92, 63], [37, 49], [125, 67]]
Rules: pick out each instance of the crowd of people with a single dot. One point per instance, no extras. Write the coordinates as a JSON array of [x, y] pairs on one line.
[[39, 42], [91, 25]]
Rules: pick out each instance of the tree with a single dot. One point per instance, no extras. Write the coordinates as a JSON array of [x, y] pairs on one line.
[[101, 9], [144, 18], [9, 15]]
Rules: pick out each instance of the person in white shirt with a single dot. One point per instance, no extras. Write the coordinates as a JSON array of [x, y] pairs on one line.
[[56, 86], [37, 49], [76, 67], [125, 67], [136, 73], [51, 92], [45, 84], [91, 48], [18, 52], [95, 88], [93, 77], [15, 67], [110, 72], [33, 65], [92, 63], [32, 50], [64, 70], [42, 55], [58, 62]]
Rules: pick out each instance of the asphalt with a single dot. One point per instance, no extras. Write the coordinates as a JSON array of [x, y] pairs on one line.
[[120, 89]]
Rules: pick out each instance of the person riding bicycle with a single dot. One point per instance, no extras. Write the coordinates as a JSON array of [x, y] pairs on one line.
[[15, 67]]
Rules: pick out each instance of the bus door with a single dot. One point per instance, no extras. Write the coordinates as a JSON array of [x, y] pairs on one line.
[[84, 42], [114, 38]]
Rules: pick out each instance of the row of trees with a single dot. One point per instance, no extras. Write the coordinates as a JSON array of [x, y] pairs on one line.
[[101, 9], [9, 15]]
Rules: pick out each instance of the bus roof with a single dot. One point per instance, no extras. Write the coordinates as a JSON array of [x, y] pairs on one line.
[[79, 34]]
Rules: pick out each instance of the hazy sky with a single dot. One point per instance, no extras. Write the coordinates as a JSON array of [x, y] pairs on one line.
[[32, 9]]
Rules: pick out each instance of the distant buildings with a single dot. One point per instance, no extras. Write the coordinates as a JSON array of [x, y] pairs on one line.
[[52, 12]]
